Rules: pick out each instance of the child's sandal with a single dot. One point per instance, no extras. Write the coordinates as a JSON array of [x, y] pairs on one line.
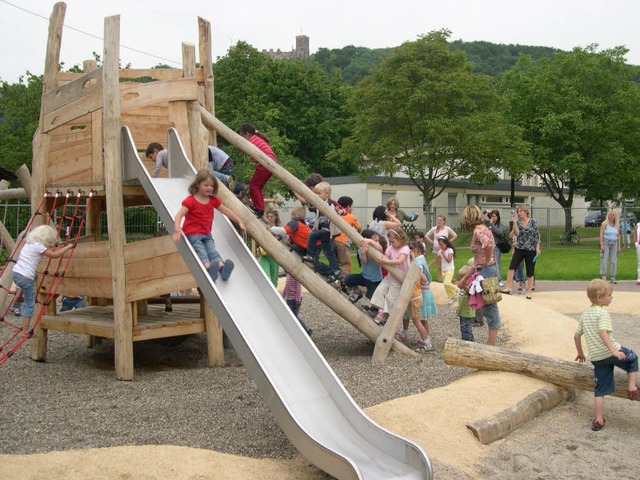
[[634, 394], [597, 426]]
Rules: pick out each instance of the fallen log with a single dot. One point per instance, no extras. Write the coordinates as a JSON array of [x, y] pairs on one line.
[[559, 372], [501, 424]]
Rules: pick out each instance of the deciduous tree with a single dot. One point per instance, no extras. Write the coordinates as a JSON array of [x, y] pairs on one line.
[[579, 111], [424, 113]]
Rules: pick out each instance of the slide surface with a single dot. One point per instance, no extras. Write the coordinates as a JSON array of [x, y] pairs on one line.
[[311, 405]]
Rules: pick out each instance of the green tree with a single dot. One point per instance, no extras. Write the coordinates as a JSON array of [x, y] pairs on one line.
[[19, 114], [424, 113], [579, 111], [297, 104]]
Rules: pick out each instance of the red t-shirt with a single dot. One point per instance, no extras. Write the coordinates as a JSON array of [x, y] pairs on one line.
[[264, 146], [199, 217]]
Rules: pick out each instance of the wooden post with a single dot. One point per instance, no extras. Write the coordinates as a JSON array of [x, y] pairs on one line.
[[41, 144], [559, 372], [199, 137], [122, 312], [501, 424], [383, 343], [197, 133], [295, 184], [312, 281], [206, 63]]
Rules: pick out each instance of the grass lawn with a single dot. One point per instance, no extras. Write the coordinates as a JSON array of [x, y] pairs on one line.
[[570, 263]]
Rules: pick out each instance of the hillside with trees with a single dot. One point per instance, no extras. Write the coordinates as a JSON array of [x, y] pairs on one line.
[[354, 63]]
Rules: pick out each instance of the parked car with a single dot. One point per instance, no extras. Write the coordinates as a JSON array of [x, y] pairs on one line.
[[593, 218]]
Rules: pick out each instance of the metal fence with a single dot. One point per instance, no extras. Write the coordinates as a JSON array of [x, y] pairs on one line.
[[143, 222], [140, 222]]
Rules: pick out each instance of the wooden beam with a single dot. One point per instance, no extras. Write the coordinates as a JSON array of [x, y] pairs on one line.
[[316, 285], [559, 372], [501, 424], [385, 339], [206, 64], [292, 182], [40, 149], [122, 311], [197, 132]]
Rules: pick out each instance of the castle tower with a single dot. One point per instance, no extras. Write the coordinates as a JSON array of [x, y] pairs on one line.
[[302, 46]]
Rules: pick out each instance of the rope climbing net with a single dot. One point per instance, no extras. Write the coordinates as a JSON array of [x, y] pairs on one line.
[[67, 215]]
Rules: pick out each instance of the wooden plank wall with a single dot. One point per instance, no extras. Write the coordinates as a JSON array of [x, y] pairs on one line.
[[152, 267]]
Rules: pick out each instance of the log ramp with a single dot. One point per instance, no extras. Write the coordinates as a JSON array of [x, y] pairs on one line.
[[565, 376]]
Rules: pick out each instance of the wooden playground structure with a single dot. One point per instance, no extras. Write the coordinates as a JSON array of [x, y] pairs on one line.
[[78, 147]]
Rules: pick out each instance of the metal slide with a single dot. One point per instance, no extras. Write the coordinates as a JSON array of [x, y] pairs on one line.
[[311, 405]]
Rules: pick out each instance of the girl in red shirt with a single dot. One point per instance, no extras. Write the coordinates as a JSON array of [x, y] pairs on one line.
[[261, 175], [197, 210]]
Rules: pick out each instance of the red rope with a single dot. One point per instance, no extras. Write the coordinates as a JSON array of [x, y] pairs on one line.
[[16, 338]]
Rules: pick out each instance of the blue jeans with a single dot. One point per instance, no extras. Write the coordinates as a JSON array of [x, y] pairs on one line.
[[205, 248], [326, 244], [357, 279], [296, 310], [603, 375], [611, 254], [496, 255], [28, 287], [71, 303], [466, 329], [491, 312]]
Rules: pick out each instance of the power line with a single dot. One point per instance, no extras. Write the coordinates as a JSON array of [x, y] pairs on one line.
[[91, 34]]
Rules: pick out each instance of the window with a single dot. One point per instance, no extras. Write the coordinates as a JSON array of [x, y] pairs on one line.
[[387, 195], [451, 203]]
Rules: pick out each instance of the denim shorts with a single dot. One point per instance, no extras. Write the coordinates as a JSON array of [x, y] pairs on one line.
[[28, 287], [491, 312], [603, 371]]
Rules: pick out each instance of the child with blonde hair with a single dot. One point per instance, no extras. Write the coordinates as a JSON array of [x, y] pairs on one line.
[[198, 213], [604, 352], [39, 242], [466, 314]]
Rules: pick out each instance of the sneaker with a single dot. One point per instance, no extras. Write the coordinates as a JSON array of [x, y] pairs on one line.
[[424, 346], [523, 291], [225, 271], [16, 309], [335, 278], [380, 320], [213, 272], [597, 426], [401, 336], [309, 259], [243, 192], [168, 308], [256, 212], [231, 183], [355, 297]]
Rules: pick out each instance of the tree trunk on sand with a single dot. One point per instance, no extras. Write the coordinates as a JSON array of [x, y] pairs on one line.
[[501, 424], [559, 372]]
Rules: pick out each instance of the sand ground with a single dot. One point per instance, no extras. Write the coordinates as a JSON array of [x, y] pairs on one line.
[[557, 444]]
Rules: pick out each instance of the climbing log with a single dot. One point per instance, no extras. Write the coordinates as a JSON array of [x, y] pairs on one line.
[[385, 339], [501, 424], [296, 185], [559, 372]]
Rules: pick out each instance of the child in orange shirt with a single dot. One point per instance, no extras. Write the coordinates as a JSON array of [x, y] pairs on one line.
[[341, 243]]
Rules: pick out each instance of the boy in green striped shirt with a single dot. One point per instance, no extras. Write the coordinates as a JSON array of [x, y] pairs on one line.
[[604, 352]]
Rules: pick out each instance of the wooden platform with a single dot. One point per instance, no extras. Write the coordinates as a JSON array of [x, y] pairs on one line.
[[185, 319]]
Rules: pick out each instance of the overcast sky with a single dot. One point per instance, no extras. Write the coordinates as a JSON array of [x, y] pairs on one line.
[[158, 27]]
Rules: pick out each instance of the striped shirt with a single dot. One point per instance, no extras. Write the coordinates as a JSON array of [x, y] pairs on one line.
[[594, 319]]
